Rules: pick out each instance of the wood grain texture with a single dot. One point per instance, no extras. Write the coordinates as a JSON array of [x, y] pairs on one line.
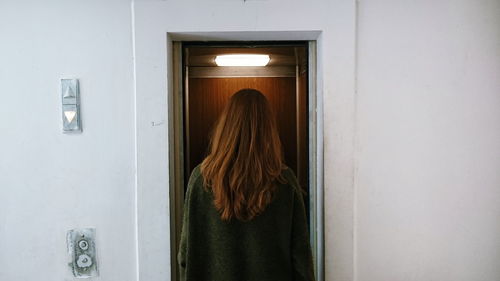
[[302, 131]]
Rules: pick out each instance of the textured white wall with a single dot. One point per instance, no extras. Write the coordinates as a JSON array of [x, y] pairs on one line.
[[428, 112], [428, 179], [51, 182]]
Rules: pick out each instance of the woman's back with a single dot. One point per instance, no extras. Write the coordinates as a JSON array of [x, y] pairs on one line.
[[244, 215], [272, 246]]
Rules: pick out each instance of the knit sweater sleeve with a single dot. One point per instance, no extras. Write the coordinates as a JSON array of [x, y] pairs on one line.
[[302, 262]]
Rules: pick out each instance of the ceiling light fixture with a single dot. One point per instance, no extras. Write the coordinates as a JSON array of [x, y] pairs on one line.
[[242, 60]]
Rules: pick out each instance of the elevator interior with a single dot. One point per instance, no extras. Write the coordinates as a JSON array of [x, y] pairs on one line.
[[208, 87], [202, 88]]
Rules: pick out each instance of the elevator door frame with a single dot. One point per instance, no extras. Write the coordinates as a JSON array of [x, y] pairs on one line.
[[176, 166]]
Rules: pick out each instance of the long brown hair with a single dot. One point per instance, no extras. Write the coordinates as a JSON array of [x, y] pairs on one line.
[[245, 158]]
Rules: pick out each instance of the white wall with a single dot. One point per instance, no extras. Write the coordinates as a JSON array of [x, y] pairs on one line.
[[427, 186], [428, 178], [51, 182]]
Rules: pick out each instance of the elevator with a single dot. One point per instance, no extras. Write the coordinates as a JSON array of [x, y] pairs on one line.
[[201, 89], [209, 87]]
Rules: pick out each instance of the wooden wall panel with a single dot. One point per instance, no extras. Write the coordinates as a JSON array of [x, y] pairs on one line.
[[208, 96], [302, 131]]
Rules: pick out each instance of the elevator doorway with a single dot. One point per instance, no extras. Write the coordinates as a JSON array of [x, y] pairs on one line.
[[202, 88]]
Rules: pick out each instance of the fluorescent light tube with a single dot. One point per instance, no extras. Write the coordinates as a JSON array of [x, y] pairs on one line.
[[242, 60]]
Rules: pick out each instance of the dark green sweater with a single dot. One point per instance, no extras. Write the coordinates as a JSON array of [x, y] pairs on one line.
[[273, 246]]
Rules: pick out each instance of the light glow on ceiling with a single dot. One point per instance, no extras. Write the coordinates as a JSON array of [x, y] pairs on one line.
[[242, 60]]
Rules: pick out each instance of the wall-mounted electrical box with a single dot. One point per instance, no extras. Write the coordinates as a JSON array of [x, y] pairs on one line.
[[82, 251]]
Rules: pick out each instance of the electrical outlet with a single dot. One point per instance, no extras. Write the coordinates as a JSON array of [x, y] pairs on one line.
[[82, 251]]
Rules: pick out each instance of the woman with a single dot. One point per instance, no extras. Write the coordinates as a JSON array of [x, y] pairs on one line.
[[244, 215]]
